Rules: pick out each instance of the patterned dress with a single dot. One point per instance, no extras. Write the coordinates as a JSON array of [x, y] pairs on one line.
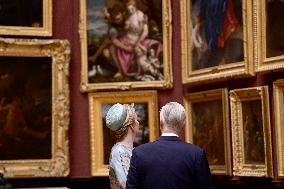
[[119, 163]]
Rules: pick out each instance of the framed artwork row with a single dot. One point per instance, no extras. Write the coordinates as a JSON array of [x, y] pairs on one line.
[[243, 135], [125, 44], [102, 140], [34, 108], [20, 18], [230, 39]]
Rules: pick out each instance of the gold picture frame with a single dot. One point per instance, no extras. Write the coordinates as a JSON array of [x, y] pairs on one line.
[[99, 73], [278, 91], [207, 59], [269, 54], [209, 111], [34, 83], [35, 28], [251, 133], [145, 103]]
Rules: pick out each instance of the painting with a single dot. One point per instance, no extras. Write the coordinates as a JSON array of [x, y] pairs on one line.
[[278, 91], [251, 133], [34, 108], [20, 18], [269, 27], [102, 139], [125, 44], [206, 128], [216, 36]]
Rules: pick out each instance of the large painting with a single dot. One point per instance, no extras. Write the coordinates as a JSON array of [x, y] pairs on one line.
[[251, 133], [102, 139], [213, 39], [206, 128], [17, 17], [25, 110], [278, 89], [34, 108], [125, 44], [269, 27]]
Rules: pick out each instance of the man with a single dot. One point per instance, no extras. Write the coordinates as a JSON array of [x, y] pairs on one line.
[[169, 162]]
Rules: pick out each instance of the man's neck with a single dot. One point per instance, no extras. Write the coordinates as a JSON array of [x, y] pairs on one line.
[[169, 133]]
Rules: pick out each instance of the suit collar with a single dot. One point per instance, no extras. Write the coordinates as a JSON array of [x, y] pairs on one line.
[[170, 138]]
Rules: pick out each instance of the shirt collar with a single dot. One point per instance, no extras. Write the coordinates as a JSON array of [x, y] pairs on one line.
[[169, 134]]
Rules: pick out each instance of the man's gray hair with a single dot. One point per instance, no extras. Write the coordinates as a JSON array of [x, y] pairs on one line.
[[172, 115]]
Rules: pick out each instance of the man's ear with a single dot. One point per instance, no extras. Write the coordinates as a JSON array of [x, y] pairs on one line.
[[161, 126]]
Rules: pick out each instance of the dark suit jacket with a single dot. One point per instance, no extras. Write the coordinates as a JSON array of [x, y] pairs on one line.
[[169, 163]]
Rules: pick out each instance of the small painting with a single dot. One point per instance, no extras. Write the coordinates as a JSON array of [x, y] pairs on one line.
[[206, 128], [102, 139]]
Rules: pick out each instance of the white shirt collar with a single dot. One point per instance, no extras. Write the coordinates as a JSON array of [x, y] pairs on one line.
[[169, 134]]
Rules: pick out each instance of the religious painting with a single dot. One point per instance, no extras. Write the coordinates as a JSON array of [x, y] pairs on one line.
[[208, 125], [251, 133], [125, 44], [269, 26], [102, 139], [278, 89], [216, 38], [34, 108], [26, 19]]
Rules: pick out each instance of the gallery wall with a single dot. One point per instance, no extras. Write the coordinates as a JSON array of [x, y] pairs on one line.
[[66, 26]]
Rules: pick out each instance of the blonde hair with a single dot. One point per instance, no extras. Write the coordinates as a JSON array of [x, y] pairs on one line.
[[129, 120]]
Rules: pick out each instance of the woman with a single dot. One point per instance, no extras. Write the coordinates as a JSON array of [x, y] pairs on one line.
[[122, 120], [136, 36]]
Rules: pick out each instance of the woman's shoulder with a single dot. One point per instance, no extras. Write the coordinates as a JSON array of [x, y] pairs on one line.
[[118, 149]]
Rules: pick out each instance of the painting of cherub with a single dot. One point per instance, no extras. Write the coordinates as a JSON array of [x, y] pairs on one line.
[[123, 39]]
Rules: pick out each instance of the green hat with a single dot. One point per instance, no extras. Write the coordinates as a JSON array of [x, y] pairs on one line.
[[116, 116]]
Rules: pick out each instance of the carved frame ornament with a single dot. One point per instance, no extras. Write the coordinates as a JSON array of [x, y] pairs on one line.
[[58, 164], [96, 102], [243, 163]]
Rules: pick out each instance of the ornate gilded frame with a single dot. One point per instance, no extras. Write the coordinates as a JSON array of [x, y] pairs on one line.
[[278, 89], [96, 100], [262, 62], [240, 167], [167, 82], [45, 30], [207, 96], [220, 72], [59, 51]]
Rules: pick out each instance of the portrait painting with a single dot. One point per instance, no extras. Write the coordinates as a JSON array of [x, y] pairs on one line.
[[208, 125], [103, 139], [21, 18], [213, 34], [125, 42], [278, 92], [34, 108], [251, 133], [269, 26]]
